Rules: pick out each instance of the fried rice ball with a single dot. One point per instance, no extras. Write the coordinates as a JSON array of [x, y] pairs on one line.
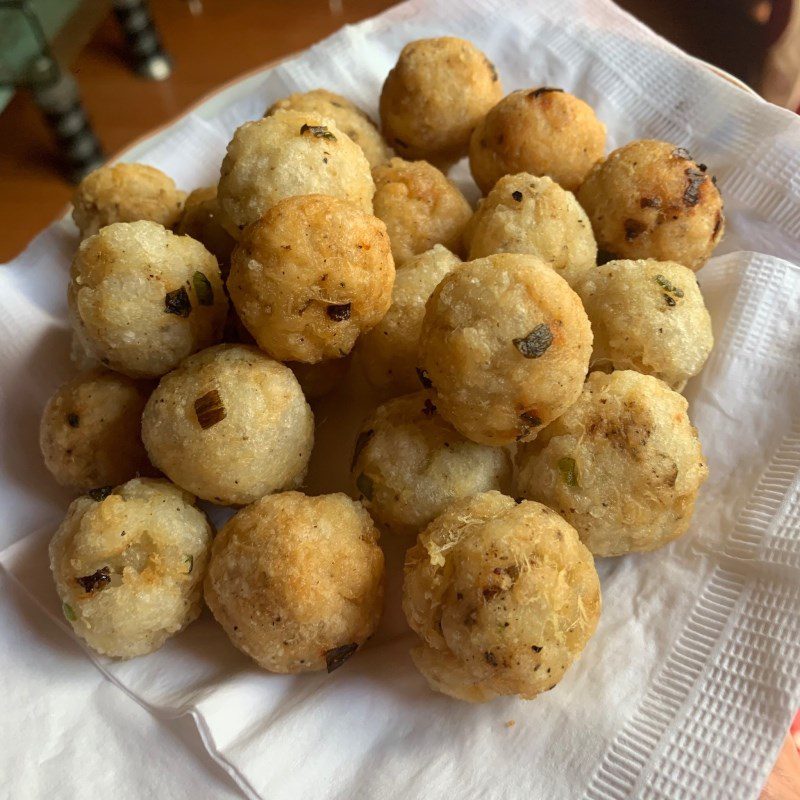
[[420, 206], [317, 380], [201, 220], [623, 464], [541, 131], [125, 193], [505, 345], [229, 425], [311, 275], [409, 464], [649, 199], [129, 564], [648, 316], [297, 581], [349, 118], [388, 353], [89, 433], [434, 96], [142, 299], [526, 214], [504, 596], [286, 154]]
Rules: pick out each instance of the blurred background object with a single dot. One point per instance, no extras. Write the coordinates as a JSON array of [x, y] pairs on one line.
[[780, 82], [38, 41], [28, 61], [757, 41], [730, 34], [141, 36]]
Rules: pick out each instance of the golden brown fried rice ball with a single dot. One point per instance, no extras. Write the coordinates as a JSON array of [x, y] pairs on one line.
[[542, 131], [526, 214], [142, 299], [420, 206], [435, 95], [409, 464], [504, 596], [201, 220], [649, 199], [129, 565], [648, 316], [89, 433], [349, 118], [229, 425], [317, 380], [505, 344], [297, 581], [623, 464], [125, 193], [311, 275], [388, 353], [286, 154]]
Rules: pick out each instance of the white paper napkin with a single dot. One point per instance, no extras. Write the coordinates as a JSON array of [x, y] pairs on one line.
[[689, 684]]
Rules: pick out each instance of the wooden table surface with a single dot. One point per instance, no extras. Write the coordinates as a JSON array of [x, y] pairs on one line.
[[227, 39]]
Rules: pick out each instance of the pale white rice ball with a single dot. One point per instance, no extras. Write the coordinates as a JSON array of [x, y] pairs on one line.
[[142, 299], [526, 214], [348, 117], [648, 316], [409, 464], [623, 465], [286, 154], [129, 565], [229, 425]]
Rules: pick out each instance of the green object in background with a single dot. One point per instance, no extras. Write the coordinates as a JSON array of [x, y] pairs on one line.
[[19, 43]]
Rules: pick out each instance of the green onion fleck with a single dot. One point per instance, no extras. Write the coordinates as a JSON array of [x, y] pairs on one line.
[[209, 409], [178, 303], [535, 343], [320, 131], [190, 561], [203, 289], [669, 287], [69, 612], [569, 471]]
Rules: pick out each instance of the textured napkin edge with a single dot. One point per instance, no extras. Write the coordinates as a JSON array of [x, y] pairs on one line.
[[713, 643], [760, 531]]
